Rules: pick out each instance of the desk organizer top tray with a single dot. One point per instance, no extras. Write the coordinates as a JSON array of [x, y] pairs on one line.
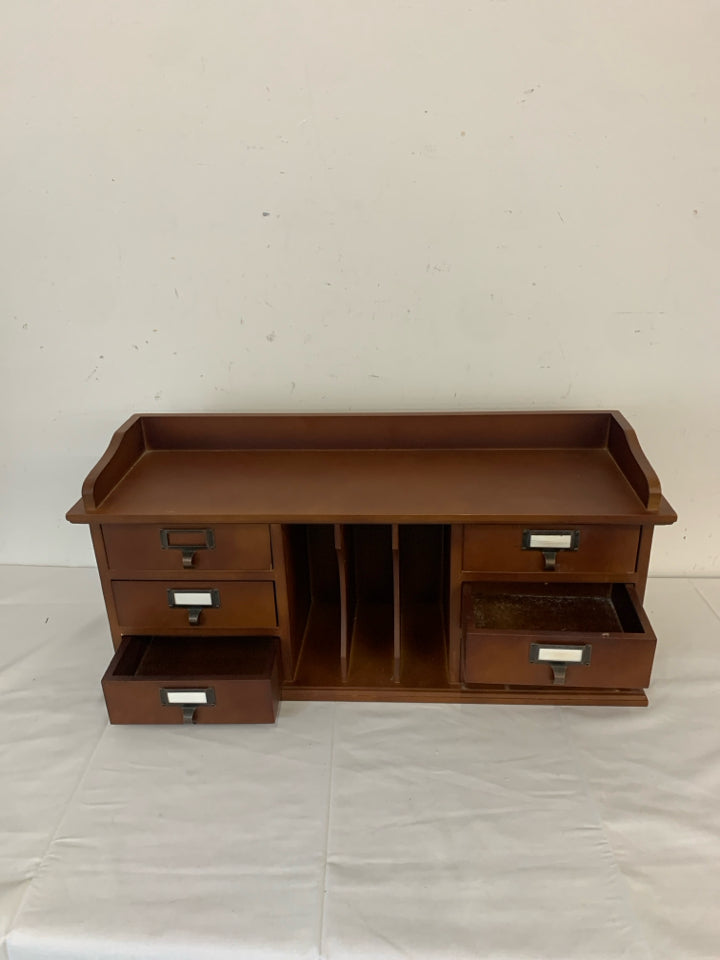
[[374, 468]]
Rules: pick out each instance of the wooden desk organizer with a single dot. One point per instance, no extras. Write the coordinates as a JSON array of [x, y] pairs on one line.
[[466, 558]]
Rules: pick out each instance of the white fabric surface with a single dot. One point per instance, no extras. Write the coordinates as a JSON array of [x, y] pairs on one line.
[[354, 831]]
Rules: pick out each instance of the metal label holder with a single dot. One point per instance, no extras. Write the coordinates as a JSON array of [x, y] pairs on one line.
[[188, 549], [550, 542], [193, 607], [188, 699], [559, 658]]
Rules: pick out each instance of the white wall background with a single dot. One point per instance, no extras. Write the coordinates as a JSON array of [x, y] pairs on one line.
[[331, 205]]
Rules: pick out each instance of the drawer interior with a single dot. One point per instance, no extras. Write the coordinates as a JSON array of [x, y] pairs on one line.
[[160, 679], [188, 657], [556, 607], [559, 634]]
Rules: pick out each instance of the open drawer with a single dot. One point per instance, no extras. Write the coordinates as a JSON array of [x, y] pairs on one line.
[[556, 634], [193, 680]]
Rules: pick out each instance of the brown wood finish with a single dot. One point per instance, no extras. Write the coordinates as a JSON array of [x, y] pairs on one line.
[[235, 546], [241, 672], [480, 693], [420, 468], [126, 447], [625, 449], [360, 486], [143, 606], [292, 567], [378, 431], [106, 583], [608, 619], [455, 603], [283, 593], [395, 543], [497, 548], [353, 539], [643, 559], [342, 550], [422, 651]]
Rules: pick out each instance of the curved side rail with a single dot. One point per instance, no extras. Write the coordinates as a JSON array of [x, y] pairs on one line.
[[625, 449], [126, 446]]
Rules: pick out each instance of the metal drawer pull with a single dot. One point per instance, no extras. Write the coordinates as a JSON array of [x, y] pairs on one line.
[[189, 541], [549, 542], [194, 601], [558, 658], [188, 700]]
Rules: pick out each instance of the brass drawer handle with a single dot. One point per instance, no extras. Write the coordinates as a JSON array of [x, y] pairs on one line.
[[550, 542], [194, 601], [188, 542], [188, 700], [559, 657]]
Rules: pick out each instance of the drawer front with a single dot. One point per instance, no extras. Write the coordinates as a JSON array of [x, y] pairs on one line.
[[602, 639], [520, 548], [223, 546], [205, 680], [616, 662], [162, 605]]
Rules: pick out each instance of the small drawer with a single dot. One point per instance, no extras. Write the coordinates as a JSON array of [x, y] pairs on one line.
[[525, 548], [571, 635], [163, 605], [193, 680], [222, 546]]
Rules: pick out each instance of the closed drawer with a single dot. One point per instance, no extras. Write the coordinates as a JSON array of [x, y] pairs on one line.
[[520, 548], [223, 546], [572, 635], [189, 680], [162, 605]]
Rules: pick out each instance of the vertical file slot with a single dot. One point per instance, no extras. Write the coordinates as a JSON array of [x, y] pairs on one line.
[[420, 617], [371, 656], [319, 661]]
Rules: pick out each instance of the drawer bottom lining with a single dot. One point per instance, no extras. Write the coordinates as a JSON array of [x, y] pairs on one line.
[[168, 657]]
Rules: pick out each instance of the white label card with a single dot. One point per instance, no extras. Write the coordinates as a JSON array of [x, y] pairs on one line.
[[551, 541], [185, 599], [561, 654], [186, 696]]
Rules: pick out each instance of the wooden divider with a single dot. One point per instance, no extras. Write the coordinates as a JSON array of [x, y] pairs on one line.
[[341, 548], [396, 602], [391, 611]]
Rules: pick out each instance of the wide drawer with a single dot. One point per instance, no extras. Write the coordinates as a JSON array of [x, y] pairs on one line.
[[572, 635], [193, 680], [162, 605], [519, 548], [223, 546]]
